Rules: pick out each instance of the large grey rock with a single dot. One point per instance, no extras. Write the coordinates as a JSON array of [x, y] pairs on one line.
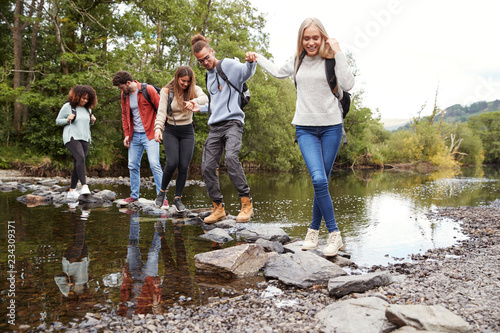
[[217, 235], [344, 285], [427, 317], [365, 315], [409, 329], [270, 246], [240, 261], [267, 233], [302, 269]]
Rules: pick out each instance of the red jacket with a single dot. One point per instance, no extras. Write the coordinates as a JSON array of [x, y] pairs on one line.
[[146, 110]]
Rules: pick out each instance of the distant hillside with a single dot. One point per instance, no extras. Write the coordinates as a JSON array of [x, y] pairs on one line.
[[453, 114], [459, 113], [393, 124]]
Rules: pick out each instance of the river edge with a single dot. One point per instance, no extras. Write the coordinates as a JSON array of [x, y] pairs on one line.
[[463, 278]]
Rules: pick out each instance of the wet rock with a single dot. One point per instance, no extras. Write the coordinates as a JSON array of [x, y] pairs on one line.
[[217, 235], [240, 261], [302, 269], [268, 233], [365, 314], [269, 246], [423, 317], [345, 285]]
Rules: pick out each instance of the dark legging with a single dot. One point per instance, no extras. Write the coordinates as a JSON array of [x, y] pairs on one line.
[[178, 142], [79, 150]]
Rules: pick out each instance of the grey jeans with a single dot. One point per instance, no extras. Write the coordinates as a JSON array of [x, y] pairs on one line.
[[225, 135]]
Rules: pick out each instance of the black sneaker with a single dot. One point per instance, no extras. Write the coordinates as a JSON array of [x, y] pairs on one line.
[[178, 205], [159, 199]]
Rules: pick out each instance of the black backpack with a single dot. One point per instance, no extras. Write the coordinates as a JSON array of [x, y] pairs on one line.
[[244, 93], [145, 93], [332, 81]]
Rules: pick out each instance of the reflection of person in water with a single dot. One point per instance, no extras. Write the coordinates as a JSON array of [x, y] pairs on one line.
[[140, 291], [73, 282], [180, 281]]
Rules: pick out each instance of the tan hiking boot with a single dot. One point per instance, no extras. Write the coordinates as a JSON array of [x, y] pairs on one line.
[[311, 241], [246, 210], [333, 245], [218, 214]]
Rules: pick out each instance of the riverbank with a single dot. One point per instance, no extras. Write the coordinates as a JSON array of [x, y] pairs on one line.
[[463, 278]]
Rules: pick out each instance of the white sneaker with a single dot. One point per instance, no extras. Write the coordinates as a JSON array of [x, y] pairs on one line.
[[311, 241], [85, 189], [333, 245], [73, 195]]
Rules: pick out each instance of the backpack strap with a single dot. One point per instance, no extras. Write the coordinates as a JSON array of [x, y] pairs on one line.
[[169, 105], [144, 91], [223, 76], [208, 90], [301, 57], [331, 77], [73, 111]]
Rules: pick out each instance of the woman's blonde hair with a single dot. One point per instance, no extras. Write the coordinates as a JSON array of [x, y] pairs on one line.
[[325, 51], [189, 93]]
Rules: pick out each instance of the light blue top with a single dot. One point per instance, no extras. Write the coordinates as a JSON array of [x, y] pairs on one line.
[[220, 109], [79, 129]]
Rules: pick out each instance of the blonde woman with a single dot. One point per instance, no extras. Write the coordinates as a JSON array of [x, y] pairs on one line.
[[174, 124], [318, 118]]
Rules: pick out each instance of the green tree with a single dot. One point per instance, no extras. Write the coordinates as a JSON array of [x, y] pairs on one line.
[[487, 127]]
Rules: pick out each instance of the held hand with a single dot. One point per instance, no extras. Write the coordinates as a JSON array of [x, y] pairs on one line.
[[71, 117], [158, 135], [92, 119], [188, 105], [195, 106], [251, 57], [334, 44], [126, 142]]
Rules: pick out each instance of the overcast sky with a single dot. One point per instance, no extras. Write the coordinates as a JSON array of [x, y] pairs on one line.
[[403, 49]]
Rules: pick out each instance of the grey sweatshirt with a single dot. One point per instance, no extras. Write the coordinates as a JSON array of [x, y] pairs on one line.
[[316, 105]]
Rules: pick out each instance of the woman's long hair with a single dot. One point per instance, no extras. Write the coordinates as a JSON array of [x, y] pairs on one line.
[[325, 51], [77, 92], [180, 95]]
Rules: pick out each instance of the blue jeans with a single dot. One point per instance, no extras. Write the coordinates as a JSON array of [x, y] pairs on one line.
[[319, 146], [138, 143]]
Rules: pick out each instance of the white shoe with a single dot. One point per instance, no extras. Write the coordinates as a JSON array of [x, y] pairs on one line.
[[73, 195], [311, 241], [333, 245], [85, 189]]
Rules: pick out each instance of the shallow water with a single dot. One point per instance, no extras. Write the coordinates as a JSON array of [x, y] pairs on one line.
[[382, 216]]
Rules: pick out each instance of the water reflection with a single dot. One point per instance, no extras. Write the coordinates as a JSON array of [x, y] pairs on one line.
[[74, 260], [179, 283], [140, 291], [73, 281]]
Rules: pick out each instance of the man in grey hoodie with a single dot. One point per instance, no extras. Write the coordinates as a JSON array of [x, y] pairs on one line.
[[226, 124]]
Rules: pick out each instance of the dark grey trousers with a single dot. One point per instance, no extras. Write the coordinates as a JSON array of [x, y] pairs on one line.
[[225, 135]]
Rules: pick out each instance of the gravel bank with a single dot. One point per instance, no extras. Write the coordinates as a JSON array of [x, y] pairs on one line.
[[464, 278]]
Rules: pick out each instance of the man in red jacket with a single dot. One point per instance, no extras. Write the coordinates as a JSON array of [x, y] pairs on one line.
[[138, 120]]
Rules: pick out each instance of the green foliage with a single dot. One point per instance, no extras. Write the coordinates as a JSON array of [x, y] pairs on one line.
[[487, 127], [150, 40]]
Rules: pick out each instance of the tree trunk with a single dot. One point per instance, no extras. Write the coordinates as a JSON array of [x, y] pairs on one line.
[[17, 34], [34, 41], [59, 41]]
